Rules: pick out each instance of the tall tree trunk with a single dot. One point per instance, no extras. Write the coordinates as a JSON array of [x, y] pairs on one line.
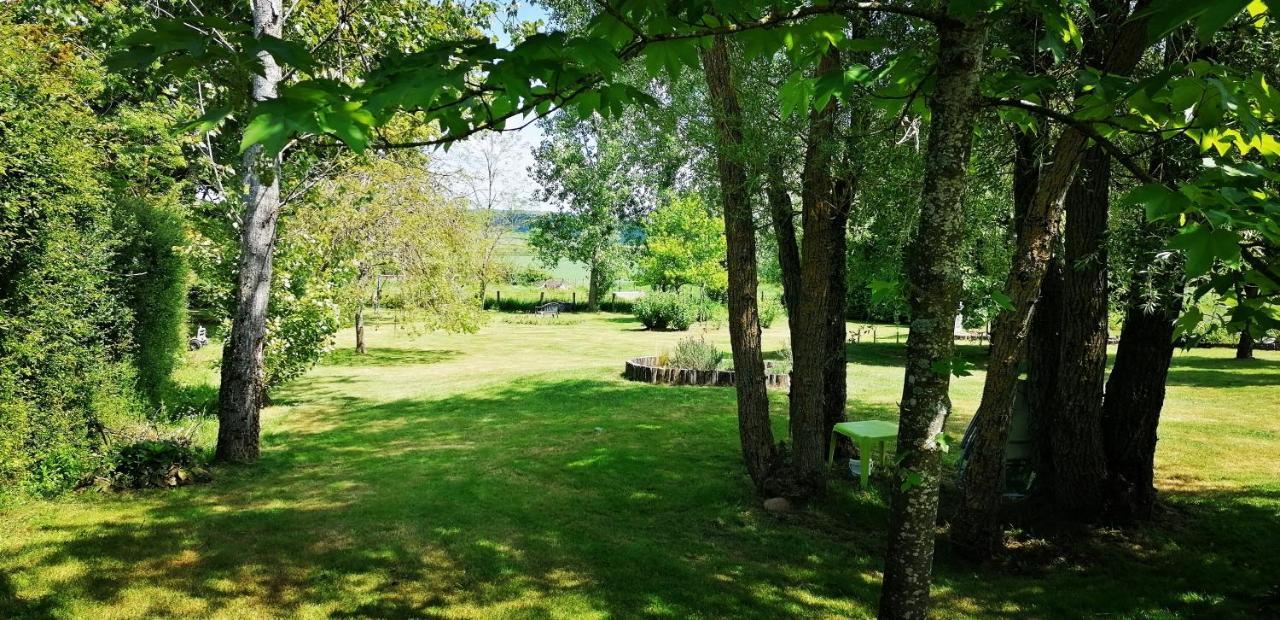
[[241, 391], [1136, 388], [1044, 350], [977, 528], [593, 288], [820, 218], [835, 379], [1244, 346], [1079, 464], [360, 329], [1043, 337], [758, 450], [936, 261], [784, 231], [1135, 396]]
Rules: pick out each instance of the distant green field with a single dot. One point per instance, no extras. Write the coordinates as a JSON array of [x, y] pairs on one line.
[[515, 251]]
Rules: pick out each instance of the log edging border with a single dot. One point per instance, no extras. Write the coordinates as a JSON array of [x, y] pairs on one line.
[[646, 369]]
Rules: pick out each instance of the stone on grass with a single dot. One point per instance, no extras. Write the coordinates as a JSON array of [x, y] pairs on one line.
[[777, 504]]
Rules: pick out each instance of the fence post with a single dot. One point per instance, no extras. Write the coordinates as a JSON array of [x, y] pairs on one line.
[[542, 296], [613, 303], [575, 301], [497, 305]]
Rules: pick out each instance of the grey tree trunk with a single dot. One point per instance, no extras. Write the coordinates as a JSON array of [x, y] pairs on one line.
[[977, 528], [754, 430], [935, 263], [241, 392], [360, 329]]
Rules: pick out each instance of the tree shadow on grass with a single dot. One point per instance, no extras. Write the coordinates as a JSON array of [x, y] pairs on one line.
[[545, 497], [895, 354], [1211, 554], [388, 356], [1197, 371], [567, 497]]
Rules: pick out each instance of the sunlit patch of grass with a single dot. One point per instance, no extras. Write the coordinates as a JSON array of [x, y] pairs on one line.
[[513, 473]]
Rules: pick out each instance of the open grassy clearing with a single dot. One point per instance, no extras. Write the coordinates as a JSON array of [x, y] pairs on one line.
[[513, 473]]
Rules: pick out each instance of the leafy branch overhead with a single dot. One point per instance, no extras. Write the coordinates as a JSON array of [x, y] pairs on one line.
[[463, 86]]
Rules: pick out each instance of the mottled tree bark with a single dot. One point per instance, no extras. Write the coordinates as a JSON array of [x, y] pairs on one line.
[[821, 219], [977, 528], [756, 435], [935, 262], [1076, 434], [241, 391]]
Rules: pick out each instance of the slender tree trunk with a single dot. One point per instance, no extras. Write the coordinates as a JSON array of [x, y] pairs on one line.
[[977, 528], [241, 391], [835, 371], [810, 346], [1136, 388], [593, 288], [1044, 349], [1043, 338], [1244, 346], [758, 450], [360, 329], [784, 230], [1079, 463], [934, 271], [1135, 396]]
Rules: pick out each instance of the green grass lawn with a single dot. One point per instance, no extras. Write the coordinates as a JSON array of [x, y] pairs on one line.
[[513, 473]]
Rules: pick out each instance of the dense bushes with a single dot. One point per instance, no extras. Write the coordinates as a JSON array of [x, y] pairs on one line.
[[157, 296], [81, 263], [665, 311], [153, 462]]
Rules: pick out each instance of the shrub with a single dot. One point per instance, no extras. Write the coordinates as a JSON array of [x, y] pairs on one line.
[[527, 276], [695, 354], [153, 462], [770, 310], [664, 311]]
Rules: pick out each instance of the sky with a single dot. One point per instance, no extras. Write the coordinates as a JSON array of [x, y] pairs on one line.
[[512, 151]]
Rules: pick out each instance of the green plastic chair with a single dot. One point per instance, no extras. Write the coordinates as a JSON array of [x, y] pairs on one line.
[[865, 435]]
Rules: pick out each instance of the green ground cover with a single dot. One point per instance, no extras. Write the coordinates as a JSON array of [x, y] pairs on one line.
[[513, 473]]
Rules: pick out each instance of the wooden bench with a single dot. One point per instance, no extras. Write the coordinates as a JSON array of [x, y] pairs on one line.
[[551, 308]]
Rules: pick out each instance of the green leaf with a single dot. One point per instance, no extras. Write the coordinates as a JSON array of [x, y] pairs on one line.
[[910, 480], [884, 291], [268, 129], [1158, 201], [1202, 245], [206, 122], [1002, 300], [1187, 323]]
